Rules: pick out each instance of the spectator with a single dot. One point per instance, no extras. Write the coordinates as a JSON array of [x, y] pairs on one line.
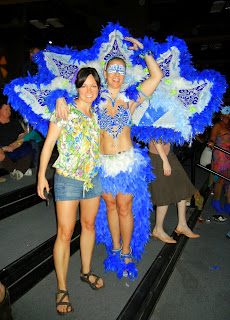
[[5, 309], [36, 141], [171, 186], [30, 66], [15, 156], [220, 136]]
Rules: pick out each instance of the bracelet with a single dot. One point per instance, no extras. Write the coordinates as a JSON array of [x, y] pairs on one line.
[[143, 52], [19, 143]]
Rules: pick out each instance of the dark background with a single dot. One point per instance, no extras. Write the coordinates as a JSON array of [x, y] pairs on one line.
[[206, 33]]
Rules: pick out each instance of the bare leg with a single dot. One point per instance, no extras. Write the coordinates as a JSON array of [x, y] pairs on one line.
[[182, 227], [113, 219], [158, 231], [89, 209], [2, 292], [124, 206], [5, 309], [66, 217], [160, 216], [228, 195], [217, 190]]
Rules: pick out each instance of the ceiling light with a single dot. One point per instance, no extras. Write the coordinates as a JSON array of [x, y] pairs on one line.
[[217, 6], [141, 2], [54, 22], [38, 24]]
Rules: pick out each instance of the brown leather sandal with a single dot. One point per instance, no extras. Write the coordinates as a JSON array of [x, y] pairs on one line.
[[63, 303], [85, 278]]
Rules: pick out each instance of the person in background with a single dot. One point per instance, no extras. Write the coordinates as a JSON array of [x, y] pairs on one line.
[[5, 309], [1, 178], [36, 141], [76, 182], [171, 186], [30, 67], [2, 157], [220, 136], [15, 156]]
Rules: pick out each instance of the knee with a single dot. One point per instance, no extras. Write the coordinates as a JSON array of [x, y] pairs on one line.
[[124, 208], [88, 225], [65, 234], [2, 155], [111, 205]]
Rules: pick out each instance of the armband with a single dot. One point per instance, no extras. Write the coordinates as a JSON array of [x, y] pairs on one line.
[[19, 143], [143, 52], [139, 89]]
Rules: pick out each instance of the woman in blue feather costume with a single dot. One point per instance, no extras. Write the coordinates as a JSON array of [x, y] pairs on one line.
[[123, 167], [181, 106]]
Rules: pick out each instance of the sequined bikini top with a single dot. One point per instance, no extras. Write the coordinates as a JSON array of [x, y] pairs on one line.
[[114, 125]]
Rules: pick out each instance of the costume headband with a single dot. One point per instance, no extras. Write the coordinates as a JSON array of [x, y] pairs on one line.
[[113, 53]]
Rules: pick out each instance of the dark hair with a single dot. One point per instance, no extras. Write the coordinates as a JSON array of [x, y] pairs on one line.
[[115, 58], [83, 75], [31, 49], [3, 100]]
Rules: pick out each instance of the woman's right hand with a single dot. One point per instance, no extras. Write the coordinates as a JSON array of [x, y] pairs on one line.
[[41, 186], [62, 109]]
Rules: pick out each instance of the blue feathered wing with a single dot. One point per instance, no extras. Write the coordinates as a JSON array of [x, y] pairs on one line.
[[181, 107]]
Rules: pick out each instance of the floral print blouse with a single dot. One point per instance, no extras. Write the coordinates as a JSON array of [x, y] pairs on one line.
[[78, 146]]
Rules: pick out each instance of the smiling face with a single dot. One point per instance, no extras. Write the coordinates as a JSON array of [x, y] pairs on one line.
[[115, 73], [88, 92]]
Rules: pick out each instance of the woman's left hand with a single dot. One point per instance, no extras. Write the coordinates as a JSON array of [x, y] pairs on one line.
[[167, 168], [8, 149], [16, 144], [136, 44]]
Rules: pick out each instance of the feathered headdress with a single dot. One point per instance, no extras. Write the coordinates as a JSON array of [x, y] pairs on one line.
[[225, 110]]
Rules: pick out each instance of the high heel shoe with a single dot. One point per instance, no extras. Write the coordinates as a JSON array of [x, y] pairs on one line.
[[188, 234], [167, 240], [216, 205]]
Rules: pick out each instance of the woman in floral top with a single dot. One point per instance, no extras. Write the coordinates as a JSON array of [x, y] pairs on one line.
[[76, 181]]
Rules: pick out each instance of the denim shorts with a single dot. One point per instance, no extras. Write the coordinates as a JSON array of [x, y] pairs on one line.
[[66, 189]]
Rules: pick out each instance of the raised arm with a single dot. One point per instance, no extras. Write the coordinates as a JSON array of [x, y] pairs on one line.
[[52, 135], [149, 85]]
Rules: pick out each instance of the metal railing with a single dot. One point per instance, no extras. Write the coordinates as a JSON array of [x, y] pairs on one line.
[[216, 172], [194, 164]]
